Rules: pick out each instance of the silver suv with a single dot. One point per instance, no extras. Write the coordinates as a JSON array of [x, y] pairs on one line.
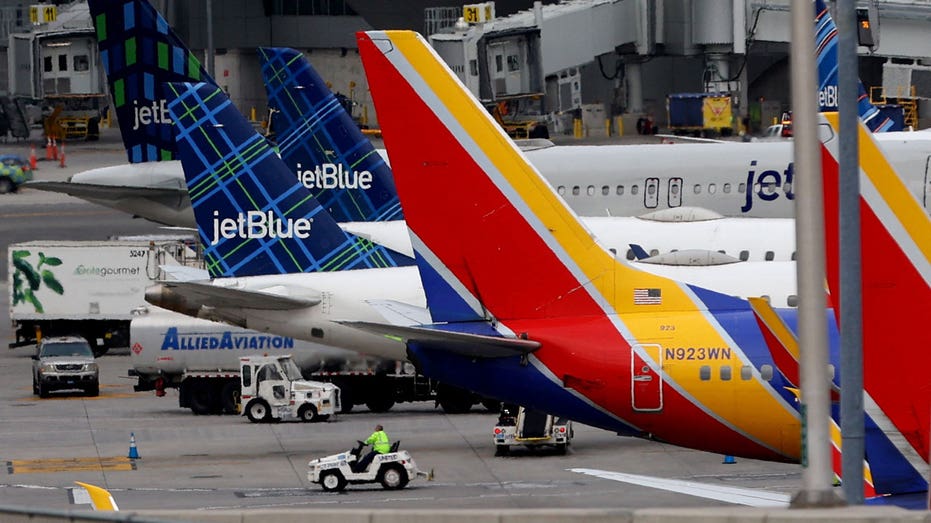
[[64, 363]]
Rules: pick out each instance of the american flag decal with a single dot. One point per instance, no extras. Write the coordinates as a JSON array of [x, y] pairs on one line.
[[648, 297]]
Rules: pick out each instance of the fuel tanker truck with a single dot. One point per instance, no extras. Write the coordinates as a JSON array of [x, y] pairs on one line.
[[201, 359]]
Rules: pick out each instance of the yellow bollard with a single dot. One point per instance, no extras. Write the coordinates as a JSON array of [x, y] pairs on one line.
[[607, 127], [577, 128], [252, 114], [620, 125]]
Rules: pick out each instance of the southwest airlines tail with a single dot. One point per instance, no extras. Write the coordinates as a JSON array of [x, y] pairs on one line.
[[317, 138], [140, 52], [826, 49], [896, 277], [253, 215]]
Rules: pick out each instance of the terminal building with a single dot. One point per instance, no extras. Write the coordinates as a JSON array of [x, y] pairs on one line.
[[607, 63]]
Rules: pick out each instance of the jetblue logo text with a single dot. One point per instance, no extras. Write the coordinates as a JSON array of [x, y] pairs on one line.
[[260, 225], [333, 176], [827, 97], [145, 115], [766, 184]]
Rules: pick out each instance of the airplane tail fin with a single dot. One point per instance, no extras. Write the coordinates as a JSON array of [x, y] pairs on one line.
[[255, 217], [896, 294], [318, 139], [826, 49], [480, 214], [140, 52]]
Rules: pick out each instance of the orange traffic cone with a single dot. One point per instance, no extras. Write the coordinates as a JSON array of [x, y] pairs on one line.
[[33, 164], [54, 149], [48, 149], [62, 156]]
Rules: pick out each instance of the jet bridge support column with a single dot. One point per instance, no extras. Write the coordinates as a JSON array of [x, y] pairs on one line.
[[634, 78]]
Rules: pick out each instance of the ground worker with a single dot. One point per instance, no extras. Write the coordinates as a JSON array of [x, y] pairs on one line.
[[380, 445]]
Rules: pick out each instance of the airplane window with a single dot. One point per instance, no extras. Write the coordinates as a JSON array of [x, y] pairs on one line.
[[712, 188], [704, 373], [575, 190], [605, 190], [793, 255], [766, 372], [727, 188], [630, 254], [635, 190], [792, 300], [787, 187], [742, 188], [654, 252], [613, 251], [722, 251], [697, 189], [746, 372], [651, 190], [620, 190], [770, 255], [769, 188], [591, 190], [766, 297], [561, 190], [316, 332], [831, 372], [725, 373], [674, 190], [744, 255], [756, 188]]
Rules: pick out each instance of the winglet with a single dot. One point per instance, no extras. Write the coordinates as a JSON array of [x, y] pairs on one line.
[[100, 497]]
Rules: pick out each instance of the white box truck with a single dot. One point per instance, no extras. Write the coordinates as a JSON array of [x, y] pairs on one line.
[[85, 288]]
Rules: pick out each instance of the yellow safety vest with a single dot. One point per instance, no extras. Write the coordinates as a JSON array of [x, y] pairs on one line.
[[379, 442]]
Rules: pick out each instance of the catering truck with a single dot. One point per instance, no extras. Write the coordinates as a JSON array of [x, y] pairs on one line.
[[85, 288], [201, 359]]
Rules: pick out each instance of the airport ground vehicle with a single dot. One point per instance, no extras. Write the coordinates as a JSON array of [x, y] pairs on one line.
[[700, 114], [84, 288], [14, 171], [274, 390], [201, 358], [65, 362], [531, 428], [393, 470]]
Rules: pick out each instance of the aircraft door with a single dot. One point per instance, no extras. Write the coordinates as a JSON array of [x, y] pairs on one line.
[[651, 193], [675, 192], [646, 378]]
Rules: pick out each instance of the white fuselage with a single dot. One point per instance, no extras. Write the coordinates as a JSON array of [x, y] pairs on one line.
[[733, 179]]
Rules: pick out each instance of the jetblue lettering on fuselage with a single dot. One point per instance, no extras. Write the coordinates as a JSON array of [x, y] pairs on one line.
[[827, 98], [226, 340], [145, 115], [766, 184]]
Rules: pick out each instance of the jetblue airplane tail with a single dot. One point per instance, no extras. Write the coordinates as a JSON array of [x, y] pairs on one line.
[[253, 215], [140, 52], [826, 49], [318, 139], [896, 295]]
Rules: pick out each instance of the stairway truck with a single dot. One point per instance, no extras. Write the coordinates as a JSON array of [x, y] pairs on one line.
[[83, 288], [201, 359]]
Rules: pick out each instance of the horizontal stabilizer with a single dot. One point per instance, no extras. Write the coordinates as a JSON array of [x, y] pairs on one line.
[[102, 191], [277, 298], [465, 344], [403, 314], [184, 273]]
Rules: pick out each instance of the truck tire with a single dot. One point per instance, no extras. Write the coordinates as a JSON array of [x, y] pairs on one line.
[[393, 477], [380, 404], [333, 481], [258, 411], [93, 390], [307, 413], [454, 400], [491, 405], [502, 450], [43, 390], [203, 397], [6, 185]]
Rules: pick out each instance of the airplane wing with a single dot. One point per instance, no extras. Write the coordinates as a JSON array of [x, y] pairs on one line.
[[735, 495], [277, 297], [101, 191], [465, 344]]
